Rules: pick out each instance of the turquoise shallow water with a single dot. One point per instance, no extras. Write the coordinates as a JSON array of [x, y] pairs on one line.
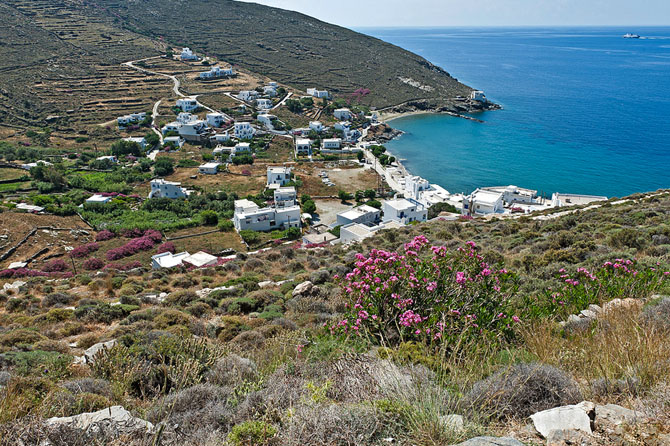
[[585, 111]]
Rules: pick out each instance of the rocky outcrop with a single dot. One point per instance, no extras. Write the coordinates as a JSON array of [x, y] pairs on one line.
[[111, 422], [91, 352], [562, 418], [306, 289]]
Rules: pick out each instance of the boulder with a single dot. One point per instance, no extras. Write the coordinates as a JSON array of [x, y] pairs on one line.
[[491, 441], [614, 415], [14, 285], [113, 421], [89, 354], [266, 284], [569, 438], [589, 314], [562, 418], [595, 308], [453, 423], [303, 289]]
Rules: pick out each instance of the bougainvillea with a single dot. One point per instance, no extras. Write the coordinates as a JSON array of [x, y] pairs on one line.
[[84, 250], [428, 295], [134, 246]]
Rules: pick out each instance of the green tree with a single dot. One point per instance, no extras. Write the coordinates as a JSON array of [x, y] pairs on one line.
[[122, 148], [164, 166], [438, 208], [344, 196], [209, 218], [293, 233], [249, 236], [152, 139], [309, 206]]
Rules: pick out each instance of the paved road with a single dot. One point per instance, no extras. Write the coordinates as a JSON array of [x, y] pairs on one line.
[[283, 101]]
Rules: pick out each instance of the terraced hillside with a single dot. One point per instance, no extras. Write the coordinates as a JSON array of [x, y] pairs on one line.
[[64, 54]]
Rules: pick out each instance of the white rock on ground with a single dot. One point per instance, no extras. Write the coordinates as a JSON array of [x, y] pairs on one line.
[[14, 285], [561, 418], [93, 350], [114, 420], [302, 289], [453, 423], [613, 414]]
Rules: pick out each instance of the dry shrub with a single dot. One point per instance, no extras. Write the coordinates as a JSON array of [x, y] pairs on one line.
[[232, 370], [658, 314], [619, 347], [521, 390]]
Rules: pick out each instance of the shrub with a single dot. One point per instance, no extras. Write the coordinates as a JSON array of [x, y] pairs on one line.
[[209, 218], [256, 433], [435, 299], [93, 264], [104, 235], [522, 390], [226, 226], [166, 247], [57, 299], [134, 246], [20, 336], [250, 237], [84, 250], [232, 370], [658, 313], [57, 265]]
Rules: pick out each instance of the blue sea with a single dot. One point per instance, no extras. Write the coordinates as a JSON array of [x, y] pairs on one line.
[[584, 110]]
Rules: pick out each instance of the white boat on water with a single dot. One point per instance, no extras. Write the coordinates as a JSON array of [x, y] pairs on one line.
[[631, 36]]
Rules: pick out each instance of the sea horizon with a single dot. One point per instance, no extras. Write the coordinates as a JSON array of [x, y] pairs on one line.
[[583, 112]]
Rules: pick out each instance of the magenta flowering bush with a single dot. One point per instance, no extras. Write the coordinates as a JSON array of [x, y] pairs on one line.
[[133, 247], [621, 278], [84, 250], [104, 235], [166, 247], [427, 294], [57, 265], [123, 266], [92, 264], [25, 272]]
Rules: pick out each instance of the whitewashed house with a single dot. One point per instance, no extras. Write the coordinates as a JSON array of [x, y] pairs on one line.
[[561, 200], [266, 119], [356, 232], [171, 127], [200, 259], [318, 93], [188, 54], [110, 158], [404, 211], [478, 95], [285, 196], [141, 141], [209, 168], [247, 95], [220, 151], [414, 185], [278, 175], [249, 216], [216, 72], [241, 147], [216, 119], [176, 141], [483, 202], [193, 131], [270, 90], [303, 146], [244, 130], [316, 126], [364, 214], [168, 260], [332, 144], [220, 137], [98, 199], [187, 104], [185, 117], [343, 114], [167, 189], [264, 104], [132, 118]]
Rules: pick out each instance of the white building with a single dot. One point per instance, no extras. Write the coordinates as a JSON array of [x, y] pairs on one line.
[[168, 260], [241, 147], [356, 232], [266, 119], [285, 196], [216, 71], [29, 166], [98, 199], [222, 150], [216, 119], [185, 118], [110, 158], [249, 216], [176, 141], [187, 54], [167, 189], [200, 259], [270, 90], [132, 118], [278, 175], [209, 168], [483, 202], [187, 104], [244, 130], [414, 185], [303, 146], [264, 104], [332, 143], [141, 141], [364, 214], [318, 93], [404, 210], [220, 137], [316, 126], [478, 95], [343, 114], [247, 95], [193, 130]]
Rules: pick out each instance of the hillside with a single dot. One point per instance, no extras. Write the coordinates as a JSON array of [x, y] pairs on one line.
[[59, 53], [427, 335]]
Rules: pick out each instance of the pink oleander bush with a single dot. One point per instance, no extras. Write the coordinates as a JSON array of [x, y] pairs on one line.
[[57, 265], [144, 243], [575, 291], [123, 266], [93, 264], [428, 295], [84, 250], [166, 247], [104, 235]]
